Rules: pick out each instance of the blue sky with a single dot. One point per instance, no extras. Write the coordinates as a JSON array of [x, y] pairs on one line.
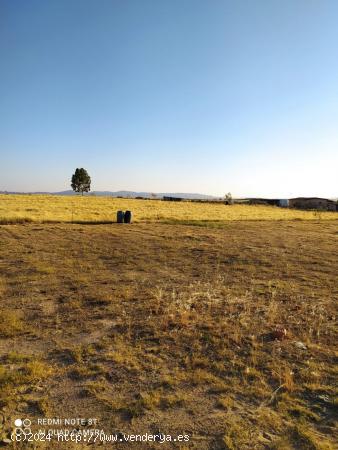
[[170, 95]]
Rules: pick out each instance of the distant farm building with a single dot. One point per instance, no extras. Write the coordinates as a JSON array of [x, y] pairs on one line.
[[284, 203], [172, 199], [322, 204]]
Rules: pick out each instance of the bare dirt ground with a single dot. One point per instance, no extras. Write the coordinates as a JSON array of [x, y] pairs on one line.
[[172, 328]]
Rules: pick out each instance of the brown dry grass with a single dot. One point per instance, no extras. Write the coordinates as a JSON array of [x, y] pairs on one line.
[[95, 210], [167, 327]]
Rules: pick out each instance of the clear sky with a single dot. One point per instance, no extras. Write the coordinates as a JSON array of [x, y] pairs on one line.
[[205, 96]]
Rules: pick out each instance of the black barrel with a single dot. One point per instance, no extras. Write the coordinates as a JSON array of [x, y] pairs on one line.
[[120, 216], [127, 217]]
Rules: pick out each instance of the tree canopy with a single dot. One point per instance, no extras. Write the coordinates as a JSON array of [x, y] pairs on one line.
[[81, 181]]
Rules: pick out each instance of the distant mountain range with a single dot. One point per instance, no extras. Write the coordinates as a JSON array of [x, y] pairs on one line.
[[127, 194], [132, 194]]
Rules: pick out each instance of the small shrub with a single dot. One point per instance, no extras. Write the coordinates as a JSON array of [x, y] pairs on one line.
[[10, 323]]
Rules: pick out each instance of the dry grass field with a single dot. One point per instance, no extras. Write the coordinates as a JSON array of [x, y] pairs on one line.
[[168, 327], [90, 209]]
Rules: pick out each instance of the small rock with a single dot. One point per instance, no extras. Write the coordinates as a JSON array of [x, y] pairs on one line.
[[300, 345]]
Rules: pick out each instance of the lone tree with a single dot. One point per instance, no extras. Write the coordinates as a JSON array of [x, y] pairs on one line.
[[228, 199], [81, 181]]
